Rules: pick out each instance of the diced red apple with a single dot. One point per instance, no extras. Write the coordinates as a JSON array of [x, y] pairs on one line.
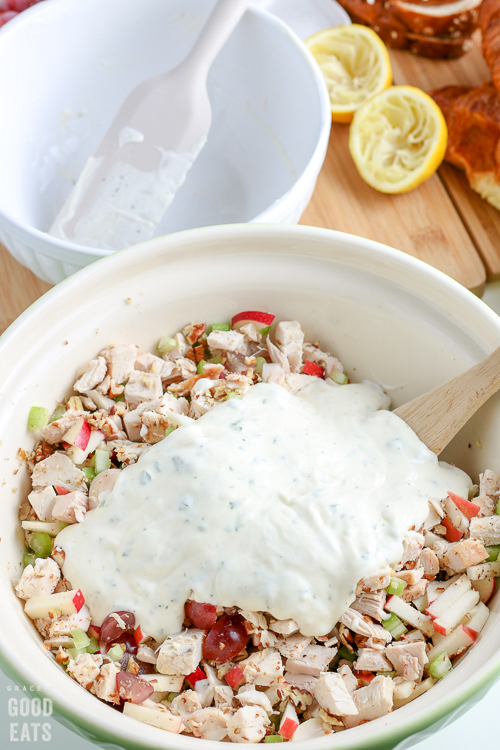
[[449, 619], [289, 722], [94, 631], [485, 587], [365, 677], [52, 528], [78, 455], [139, 636], [193, 678], [312, 368], [64, 603], [78, 434], [259, 319], [454, 643], [459, 520], [155, 717], [477, 617], [409, 614], [465, 506], [235, 677], [165, 683], [452, 533], [61, 490], [449, 596]]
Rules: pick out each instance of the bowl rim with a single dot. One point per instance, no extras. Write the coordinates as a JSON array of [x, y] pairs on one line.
[[59, 248], [380, 736]]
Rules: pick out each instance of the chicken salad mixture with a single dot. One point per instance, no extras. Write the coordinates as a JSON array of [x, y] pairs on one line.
[[232, 672]]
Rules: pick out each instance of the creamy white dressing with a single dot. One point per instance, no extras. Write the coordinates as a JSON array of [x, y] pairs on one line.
[[273, 502]]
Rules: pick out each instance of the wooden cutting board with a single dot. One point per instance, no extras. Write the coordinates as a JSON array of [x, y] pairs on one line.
[[443, 222]]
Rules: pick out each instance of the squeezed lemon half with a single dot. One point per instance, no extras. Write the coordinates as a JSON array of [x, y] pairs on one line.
[[398, 139], [355, 65]]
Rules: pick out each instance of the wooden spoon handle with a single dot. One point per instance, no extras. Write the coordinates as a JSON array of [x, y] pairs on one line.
[[438, 415]]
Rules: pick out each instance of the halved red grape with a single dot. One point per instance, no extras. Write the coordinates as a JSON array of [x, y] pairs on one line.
[[226, 638], [203, 616], [111, 630], [132, 688]]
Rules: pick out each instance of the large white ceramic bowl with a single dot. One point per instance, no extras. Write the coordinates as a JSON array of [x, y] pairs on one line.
[[66, 67], [389, 317]]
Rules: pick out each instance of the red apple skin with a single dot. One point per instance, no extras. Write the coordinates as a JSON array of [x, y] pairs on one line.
[[288, 729], [78, 600], [83, 437], [195, 676], [61, 490], [452, 534], [312, 368], [473, 634], [261, 319], [439, 629], [470, 510]]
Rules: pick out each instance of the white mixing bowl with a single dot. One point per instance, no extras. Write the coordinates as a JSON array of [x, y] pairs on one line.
[[389, 318], [67, 65]]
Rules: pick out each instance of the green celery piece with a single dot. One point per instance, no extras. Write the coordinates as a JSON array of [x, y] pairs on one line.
[[29, 558], [440, 666], [115, 653], [74, 652], [259, 364], [344, 653], [170, 429], [41, 544], [216, 360], [220, 326], [338, 377], [200, 368], [80, 638], [120, 397], [493, 552], [166, 344], [264, 331], [93, 646], [395, 627], [89, 472], [58, 412], [37, 418], [396, 586], [273, 738], [101, 460]]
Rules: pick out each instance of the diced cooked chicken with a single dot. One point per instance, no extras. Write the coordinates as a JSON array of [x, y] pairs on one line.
[[179, 351], [71, 508], [378, 580], [42, 502], [372, 701], [331, 693], [371, 604], [251, 333], [359, 624], [120, 360], [169, 404], [248, 696], [313, 660], [303, 682], [350, 680], [104, 685], [39, 580], [227, 341], [186, 704], [487, 529], [413, 543], [290, 339], [372, 660], [53, 432], [142, 386], [263, 668], [295, 381], [208, 723], [429, 562], [180, 653], [277, 356], [489, 484], [60, 470], [85, 668], [146, 654], [256, 619], [309, 730], [223, 694], [94, 374], [411, 577], [66, 623], [463, 554], [292, 646], [408, 659], [154, 426], [414, 592], [102, 483], [248, 724], [127, 452], [273, 373], [147, 362], [284, 627], [329, 362]]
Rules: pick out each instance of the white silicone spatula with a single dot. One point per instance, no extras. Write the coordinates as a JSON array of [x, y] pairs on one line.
[[127, 185]]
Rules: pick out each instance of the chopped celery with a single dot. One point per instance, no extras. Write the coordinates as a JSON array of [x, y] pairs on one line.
[[200, 368], [166, 344], [74, 652], [29, 558], [265, 330], [232, 394], [220, 326], [170, 429], [80, 638], [344, 653], [493, 552], [93, 646], [275, 720], [216, 360], [101, 460], [396, 586], [89, 472], [120, 397], [259, 364], [395, 627], [497, 509], [58, 412], [37, 418], [171, 696], [273, 738], [41, 544], [440, 666], [385, 673], [115, 653], [338, 377]]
